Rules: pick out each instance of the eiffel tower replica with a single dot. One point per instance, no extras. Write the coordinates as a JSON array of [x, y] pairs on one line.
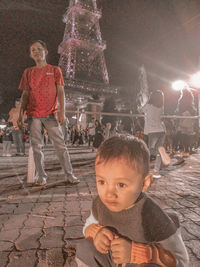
[[82, 50]]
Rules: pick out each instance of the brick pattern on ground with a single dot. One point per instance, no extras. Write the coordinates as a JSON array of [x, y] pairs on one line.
[[42, 229]]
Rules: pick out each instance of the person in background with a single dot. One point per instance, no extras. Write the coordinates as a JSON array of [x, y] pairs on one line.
[[139, 129], [26, 135], [17, 133], [45, 136], [169, 136], [186, 127], [91, 131], [107, 130], [72, 134], [78, 135], [7, 140], [98, 138], [65, 129], [155, 129], [43, 88], [1, 135]]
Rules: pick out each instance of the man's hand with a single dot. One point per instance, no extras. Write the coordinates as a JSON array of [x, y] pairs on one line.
[[121, 250], [103, 239], [61, 118]]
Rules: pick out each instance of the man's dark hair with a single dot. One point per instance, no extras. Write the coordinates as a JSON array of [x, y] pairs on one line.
[[125, 146], [38, 41]]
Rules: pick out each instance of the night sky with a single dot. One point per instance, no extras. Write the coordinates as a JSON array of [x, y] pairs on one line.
[[164, 35]]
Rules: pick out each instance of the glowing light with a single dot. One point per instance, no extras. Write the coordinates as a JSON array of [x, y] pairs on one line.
[[179, 85], [195, 80], [2, 126]]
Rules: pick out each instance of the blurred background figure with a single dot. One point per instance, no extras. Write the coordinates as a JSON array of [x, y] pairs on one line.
[[187, 129], [45, 135], [65, 129], [98, 138], [78, 135], [1, 135], [91, 131], [107, 130], [155, 129], [17, 134], [7, 140], [139, 128], [169, 135], [187, 133]]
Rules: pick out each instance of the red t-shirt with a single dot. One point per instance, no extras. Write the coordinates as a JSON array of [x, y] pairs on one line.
[[43, 91]]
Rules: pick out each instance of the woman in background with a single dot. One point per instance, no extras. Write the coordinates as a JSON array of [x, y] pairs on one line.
[[155, 129]]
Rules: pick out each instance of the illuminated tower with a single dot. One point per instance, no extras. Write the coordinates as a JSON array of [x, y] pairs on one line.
[[82, 50]]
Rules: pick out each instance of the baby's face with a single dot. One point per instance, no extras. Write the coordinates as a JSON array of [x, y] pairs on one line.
[[118, 183]]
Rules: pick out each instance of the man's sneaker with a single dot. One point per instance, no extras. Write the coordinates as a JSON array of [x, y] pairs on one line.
[[73, 180], [41, 182], [156, 175]]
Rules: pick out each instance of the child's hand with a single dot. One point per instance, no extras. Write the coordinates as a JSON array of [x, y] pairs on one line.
[[121, 250], [103, 240]]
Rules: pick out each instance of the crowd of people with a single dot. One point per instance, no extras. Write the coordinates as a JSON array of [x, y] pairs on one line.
[[9, 136], [181, 136]]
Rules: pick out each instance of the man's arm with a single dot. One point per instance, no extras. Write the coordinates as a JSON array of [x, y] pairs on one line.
[[24, 102], [61, 100]]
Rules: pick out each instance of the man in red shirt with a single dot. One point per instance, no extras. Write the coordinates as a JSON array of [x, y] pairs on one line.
[[42, 86]]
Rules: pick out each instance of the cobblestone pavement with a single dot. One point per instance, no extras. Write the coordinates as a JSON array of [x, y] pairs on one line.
[[41, 228]]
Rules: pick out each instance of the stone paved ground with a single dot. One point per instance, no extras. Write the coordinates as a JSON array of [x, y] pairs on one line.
[[42, 228]]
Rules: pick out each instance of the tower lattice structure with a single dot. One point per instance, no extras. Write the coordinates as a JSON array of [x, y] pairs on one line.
[[82, 49]]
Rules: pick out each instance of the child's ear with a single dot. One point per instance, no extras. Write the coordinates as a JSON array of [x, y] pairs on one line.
[[146, 183]]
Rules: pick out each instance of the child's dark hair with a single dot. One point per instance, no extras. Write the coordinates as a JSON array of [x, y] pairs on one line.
[[38, 41], [130, 147], [157, 99]]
